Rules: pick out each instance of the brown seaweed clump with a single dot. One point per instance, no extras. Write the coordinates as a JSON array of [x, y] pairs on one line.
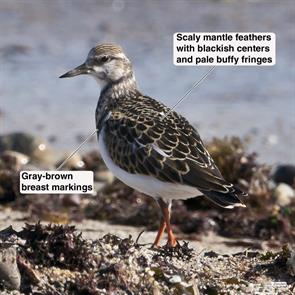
[[56, 245], [57, 260], [232, 160], [242, 169]]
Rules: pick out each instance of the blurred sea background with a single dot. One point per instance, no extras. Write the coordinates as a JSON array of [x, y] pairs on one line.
[[40, 40]]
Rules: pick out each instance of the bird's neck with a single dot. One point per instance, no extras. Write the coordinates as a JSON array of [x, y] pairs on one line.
[[121, 88], [111, 96]]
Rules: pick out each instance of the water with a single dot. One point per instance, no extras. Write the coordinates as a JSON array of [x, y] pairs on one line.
[[40, 40]]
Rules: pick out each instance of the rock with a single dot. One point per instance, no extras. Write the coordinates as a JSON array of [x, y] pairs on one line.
[[105, 176], [71, 200], [9, 186], [14, 160], [103, 179], [74, 163], [291, 262], [35, 148], [285, 174], [175, 279], [284, 194], [9, 272]]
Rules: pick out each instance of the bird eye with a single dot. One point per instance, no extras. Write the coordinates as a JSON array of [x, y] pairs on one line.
[[104, 58]]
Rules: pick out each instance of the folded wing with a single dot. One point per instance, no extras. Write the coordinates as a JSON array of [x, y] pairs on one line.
[[143, 142]]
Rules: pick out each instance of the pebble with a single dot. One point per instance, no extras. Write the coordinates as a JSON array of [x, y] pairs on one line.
[[8, 185], [105, 176], [291, 262], [35, 148], [9, 272], [14, 160], [284, 194], [103, 179], [175, 279], [71, 200]]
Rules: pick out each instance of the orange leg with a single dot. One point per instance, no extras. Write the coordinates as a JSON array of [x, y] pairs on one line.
[[160, 233], [166, 212], [171, 238]]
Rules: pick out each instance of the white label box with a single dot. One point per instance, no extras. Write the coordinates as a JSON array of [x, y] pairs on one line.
[[224, 49], [56, 182]]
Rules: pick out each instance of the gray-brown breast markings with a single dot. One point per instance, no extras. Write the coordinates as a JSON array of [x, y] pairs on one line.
[[134, 128]]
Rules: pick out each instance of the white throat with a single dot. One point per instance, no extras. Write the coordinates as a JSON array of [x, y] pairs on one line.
[[102, 83]]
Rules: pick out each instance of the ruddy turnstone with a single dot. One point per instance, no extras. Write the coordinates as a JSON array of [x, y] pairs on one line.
[[146, 145]]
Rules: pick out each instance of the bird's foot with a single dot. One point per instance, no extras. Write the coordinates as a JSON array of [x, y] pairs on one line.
[[172, 242]]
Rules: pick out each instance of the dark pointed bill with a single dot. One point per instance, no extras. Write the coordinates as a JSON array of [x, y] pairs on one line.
[[80, 70]]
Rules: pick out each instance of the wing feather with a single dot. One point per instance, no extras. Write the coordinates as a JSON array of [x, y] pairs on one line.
[[140, 141]]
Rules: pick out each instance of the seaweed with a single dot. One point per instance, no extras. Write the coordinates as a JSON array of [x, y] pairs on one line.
[[279, 258], [231, 158], [123, 244], [56, 245], [181, 251], [124, 267]]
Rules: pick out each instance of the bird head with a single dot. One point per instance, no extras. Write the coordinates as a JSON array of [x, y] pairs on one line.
[[107, 63]]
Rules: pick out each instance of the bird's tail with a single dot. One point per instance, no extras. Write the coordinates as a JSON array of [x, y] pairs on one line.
[[227, 200]]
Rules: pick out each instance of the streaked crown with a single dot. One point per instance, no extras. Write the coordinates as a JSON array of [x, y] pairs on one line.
[[107, 63], [108, 49]]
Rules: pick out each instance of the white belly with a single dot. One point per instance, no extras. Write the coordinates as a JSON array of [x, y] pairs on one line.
[[147, 184]]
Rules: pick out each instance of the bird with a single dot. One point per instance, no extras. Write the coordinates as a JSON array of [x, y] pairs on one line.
[[146, 144]]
